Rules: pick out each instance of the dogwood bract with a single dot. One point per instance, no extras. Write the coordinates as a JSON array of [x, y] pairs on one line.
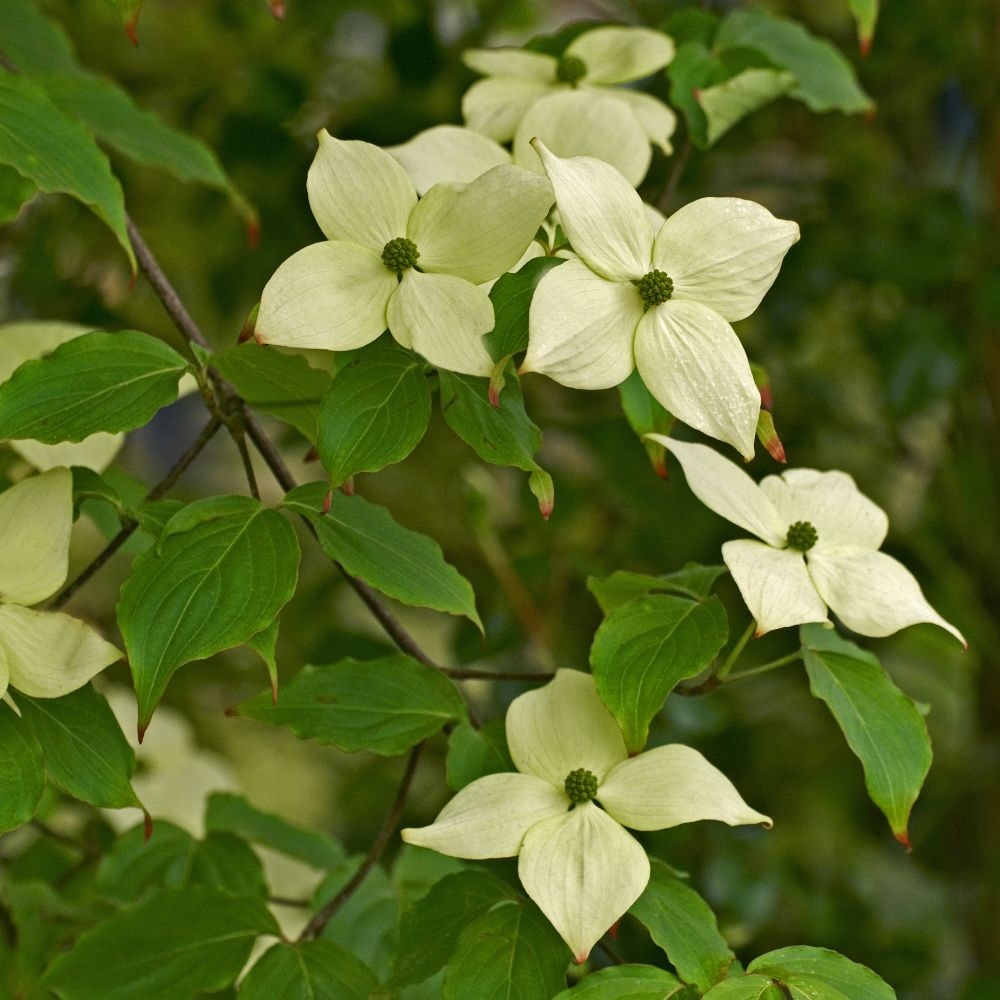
[[565, 813], [43, 654], [662, 304], [594, 62], [393, 261], [819, 547]]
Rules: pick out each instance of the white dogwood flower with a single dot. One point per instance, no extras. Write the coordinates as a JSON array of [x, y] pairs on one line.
[[594, 63], [564, 815], [391, 261], [819, 540], [43, 654], [661, 303]]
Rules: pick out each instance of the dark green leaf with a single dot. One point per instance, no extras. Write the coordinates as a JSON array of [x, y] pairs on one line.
[[474, 753], [89, 485], [512, 951], [882, 726], [31, 41], [694, 581], [682, 924], [430, 929], [174, 945], [225, 861], [374, 414], [115, 119], [746, 988], [154, 515], [86, 753], [501, 435], [855, 981], [727, 103], [22, 771], [826, 81], [643, 648], [284, 385], [692, 67], [265, 645], [511, 298], [233, 814], [308, 971], [368, 543], [385, 705], [135, 864], [628, 982], [222, 571], [15, 190], [57, 153], [645, 415], [97, 382]]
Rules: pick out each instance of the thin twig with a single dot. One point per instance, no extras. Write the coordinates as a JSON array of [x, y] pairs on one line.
[[241, 447], [129, 526], [315, 926], [265, 446], [670, 189], [461, 674]]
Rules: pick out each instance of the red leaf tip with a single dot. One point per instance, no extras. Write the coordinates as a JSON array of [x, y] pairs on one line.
[[147, 825]]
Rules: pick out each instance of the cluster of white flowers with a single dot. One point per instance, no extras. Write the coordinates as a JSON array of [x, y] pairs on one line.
[[415, 236]]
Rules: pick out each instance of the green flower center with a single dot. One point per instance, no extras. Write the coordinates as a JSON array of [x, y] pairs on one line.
[[655, 287], [802, 536], [581, 785], [400, 254], [571, 70]]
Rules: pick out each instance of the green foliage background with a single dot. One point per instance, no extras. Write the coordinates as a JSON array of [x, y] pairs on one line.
[[881, 341]]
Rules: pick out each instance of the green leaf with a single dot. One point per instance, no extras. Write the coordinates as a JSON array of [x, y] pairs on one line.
[[627, 982], [826, 81], [90, 485], [15, 190], [385, 705], [86, 753], [683, 925], [805, 964], [501, 435], [114, 118], [32, 42], [374, 414], [284, 385], [57, 154], [644, 647], [265, 645], [97, 382], [474, 753], [691, 68], [512, 951], [233, 814], [368, 543], [177, 943], [746, 988], [511, 297], [222, 571], [225, 861], [154, 515], [430, 929], [882, 726], [134, 864], [22, 771], [731, 101], [694, 581], [866, 14], [645, 415], [306, 971]]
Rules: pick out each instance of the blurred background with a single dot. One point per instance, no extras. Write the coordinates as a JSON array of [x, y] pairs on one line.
[[881, 341]]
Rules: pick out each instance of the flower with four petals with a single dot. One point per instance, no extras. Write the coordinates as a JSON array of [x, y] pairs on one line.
[[660, 303], [43, 654], [528, 94], [819, 540], [564, 814], [391, 261]]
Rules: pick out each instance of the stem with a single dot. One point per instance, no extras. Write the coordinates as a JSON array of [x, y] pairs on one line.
[[166, 293], [129, 526], [460, 674], [766, 667], [680, 164], [315, 926], [241, 446], [734, 654]]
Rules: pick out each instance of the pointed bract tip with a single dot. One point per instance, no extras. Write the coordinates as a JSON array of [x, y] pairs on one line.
[[278, 9], [328, 500], [494, 397], [766, 396], [132, 29], [776, 449], [348, 486], [140, 730], [903, 836], [870, 114], [253, 232], [581, 956], [132, 280], [274, 690], [312, 455], [545, 508], [147, 825], [660, 468], [865, 45]]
